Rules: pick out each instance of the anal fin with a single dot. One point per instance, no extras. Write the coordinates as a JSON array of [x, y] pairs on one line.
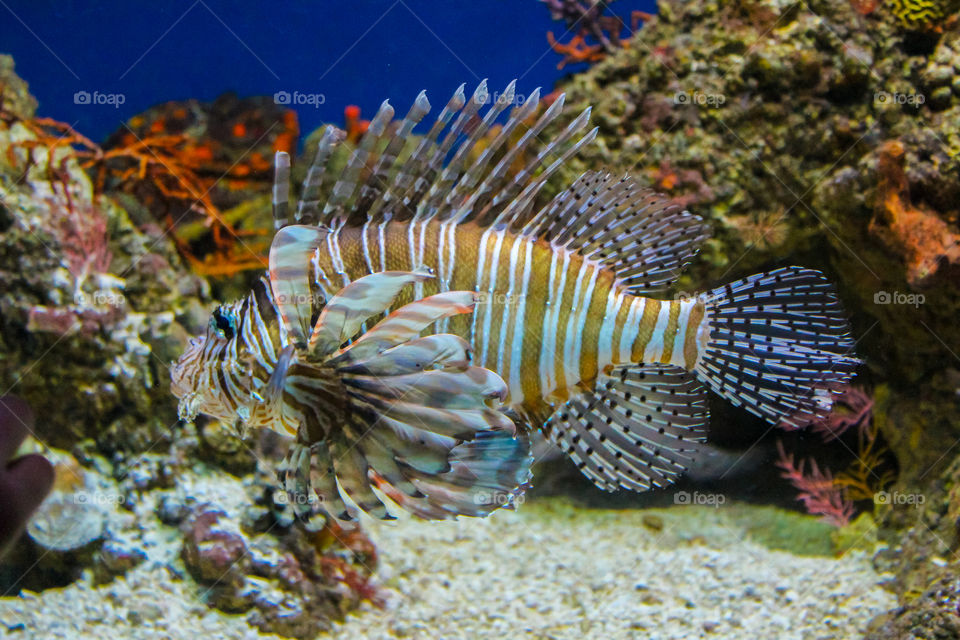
[[639, 427]]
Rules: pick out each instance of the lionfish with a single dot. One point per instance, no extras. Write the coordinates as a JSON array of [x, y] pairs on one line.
[[565, 311]]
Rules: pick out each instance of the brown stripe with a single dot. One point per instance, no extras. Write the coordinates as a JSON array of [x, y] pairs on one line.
[[670, 333], [690, 351], [536, 312], [590, 343], [464, 274], [619, 325], [651, 309], [431, 258]]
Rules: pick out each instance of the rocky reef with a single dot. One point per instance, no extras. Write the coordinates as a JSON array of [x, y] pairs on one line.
[[97, 300], [810, 133]]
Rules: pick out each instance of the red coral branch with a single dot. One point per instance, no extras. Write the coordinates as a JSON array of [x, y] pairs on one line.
[[853, 408], [819, 492]]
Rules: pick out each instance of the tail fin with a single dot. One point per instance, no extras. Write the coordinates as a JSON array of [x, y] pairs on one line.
[[779, 345]]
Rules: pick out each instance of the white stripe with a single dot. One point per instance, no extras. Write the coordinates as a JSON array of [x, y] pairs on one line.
[[686, 306], [654, 349], [491, 285], [605, 341], [548, 341], [555, 321], [480, 308], [446, 235], [319, 277], [333, 246], [366, 248], [418, 285], [381, 233]]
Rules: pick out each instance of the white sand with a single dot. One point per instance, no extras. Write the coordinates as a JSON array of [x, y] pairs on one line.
[[545, 572]]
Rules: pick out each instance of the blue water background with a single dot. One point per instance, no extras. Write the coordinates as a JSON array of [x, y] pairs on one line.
[[352, 52]]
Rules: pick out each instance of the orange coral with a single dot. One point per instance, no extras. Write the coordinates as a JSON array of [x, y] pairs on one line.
[[577, 50], [355, 127], [864, 7], [171, 164], [336, 568], [919, 235]]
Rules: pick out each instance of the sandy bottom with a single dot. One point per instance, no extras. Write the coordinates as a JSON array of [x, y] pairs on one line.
[[549, 571]]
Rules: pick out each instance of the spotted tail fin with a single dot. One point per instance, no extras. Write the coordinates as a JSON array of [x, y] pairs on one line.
[[779, 345]]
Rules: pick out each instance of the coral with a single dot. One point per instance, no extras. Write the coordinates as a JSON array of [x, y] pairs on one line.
[[90, 303], [293, 588], [921, 15], [189, 162], [922, 237], [15, 98], [800, 171], [685, 187], [354, 126], [819, 492], [588, 21], [867, 474], [864, 7], [852, 408], [576, 51], [933, 614]]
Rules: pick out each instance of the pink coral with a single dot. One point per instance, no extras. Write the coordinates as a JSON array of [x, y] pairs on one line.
[[819, 493], [853, 408], [81, 228]]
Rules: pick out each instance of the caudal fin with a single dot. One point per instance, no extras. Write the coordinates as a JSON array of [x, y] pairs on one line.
[[779, 345]]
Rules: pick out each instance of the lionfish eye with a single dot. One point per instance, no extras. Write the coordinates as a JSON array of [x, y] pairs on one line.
[[224, 324]]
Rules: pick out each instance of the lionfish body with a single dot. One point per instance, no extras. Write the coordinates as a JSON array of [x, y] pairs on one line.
[[567, 312], [384, 408]]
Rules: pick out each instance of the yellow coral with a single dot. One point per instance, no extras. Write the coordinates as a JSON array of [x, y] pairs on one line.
[[921, 15]]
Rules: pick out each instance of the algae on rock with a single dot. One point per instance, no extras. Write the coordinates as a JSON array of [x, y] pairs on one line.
[[792, 115]]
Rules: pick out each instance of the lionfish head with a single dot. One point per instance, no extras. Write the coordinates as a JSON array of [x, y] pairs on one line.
[[193, 375]]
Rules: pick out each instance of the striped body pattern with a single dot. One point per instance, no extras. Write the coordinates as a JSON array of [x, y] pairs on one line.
[[548, 319], [383, 409], [571, 309]]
